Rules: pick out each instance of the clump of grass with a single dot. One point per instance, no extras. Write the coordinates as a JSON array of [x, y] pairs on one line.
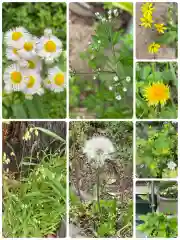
[[36, 207]]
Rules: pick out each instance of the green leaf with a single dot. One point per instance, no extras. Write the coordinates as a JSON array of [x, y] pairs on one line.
[[19, 111]]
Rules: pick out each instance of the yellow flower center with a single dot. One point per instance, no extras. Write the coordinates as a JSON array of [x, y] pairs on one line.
[[16, 77], [157, 93], [15, 51], [28, 46], [31, 64], [50, 46], [31, 82], [16, 36], [59, 79]]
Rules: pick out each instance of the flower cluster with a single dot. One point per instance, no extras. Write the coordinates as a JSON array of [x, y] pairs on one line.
[[118, 88], [147, 21], [30, 55]]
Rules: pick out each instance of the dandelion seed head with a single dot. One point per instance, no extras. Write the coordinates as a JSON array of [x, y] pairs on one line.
[[98, 150]]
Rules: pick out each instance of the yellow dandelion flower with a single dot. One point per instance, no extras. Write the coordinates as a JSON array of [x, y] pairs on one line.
[[146, 22], [157, 93], [147, 9], [160, 27], [153, 48]]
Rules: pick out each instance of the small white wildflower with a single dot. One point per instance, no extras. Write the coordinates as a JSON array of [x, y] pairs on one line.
[[118, 97], [109, 12], [97, 150], [115, 12], [89, 43], [110, 88], [124, 89], [97, 14], [172, 165], [99, 41], [128, 79], [94, 77], [116, 78], [103, 20]]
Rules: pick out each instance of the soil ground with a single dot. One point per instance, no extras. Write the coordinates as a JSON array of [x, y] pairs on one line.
[[144, 36]]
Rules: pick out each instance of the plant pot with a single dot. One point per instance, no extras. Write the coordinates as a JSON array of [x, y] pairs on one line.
[[167, 205]]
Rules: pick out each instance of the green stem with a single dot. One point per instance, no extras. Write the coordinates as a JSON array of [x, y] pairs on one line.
[[98, 192]]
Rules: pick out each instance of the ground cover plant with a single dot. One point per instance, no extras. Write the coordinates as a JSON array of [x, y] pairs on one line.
[[159, 25], [156, 90], [101, 179], [105, 91], [34, 60], [156, 149], [34, 186]]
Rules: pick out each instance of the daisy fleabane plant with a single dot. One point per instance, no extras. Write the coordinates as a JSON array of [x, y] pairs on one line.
[[34, 63]]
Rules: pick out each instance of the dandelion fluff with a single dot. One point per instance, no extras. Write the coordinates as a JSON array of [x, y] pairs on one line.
[[97, 150]]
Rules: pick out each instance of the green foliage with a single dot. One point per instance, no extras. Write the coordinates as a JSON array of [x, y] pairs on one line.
[[149, 73], [110, 57], [113, 220], [156, 148], [170, 37], [126, 6], [35, 17], [37, 206], [158, 225]]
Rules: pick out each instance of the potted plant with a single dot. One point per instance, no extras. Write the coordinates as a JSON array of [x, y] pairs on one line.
[[168, 198], [158, 225]]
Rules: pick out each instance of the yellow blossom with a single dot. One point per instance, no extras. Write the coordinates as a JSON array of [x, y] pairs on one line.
[[160, 27], [146, 21], [153, 48], [157, 93], [147, 9]]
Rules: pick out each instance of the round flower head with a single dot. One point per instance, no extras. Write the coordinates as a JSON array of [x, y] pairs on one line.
[[49, 47], [97, 150], [57, 79], [12, 54], [28, 51], [13, 78], [15, 37], [34, 64], [157, 93], [33, 82]]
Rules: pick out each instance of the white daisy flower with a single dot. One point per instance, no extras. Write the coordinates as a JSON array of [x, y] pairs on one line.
[[33, 82], [57, 79], [172, 165], [12, 54], [97, 150], [13, 78], [34, 64], [49, 48], [15, 37], [110, 88], [28, 51]]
